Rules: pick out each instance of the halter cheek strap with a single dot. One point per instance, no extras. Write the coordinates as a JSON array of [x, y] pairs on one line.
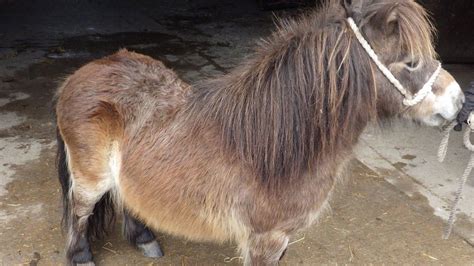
[[410, 100]]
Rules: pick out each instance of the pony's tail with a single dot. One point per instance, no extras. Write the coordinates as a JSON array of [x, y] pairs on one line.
[[103, 217], [64, 177]]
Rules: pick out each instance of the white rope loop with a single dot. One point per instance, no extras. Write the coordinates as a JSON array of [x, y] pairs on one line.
[[409, 99], [427, 88]]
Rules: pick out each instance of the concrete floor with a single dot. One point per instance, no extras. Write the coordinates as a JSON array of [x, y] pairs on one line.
[[406, 156], [372, 220]]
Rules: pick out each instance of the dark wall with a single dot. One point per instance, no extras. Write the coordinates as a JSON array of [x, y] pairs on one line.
[[454, 20]]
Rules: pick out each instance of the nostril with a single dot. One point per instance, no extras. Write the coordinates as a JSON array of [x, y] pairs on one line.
[[463, 100], [460, 101]]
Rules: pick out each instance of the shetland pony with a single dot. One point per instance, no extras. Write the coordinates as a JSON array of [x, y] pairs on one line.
[[249, 157]]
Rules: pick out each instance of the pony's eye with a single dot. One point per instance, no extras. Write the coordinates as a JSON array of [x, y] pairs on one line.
[[412, 65]]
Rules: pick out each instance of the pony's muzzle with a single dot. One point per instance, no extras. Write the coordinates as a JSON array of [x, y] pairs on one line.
[[450, 99]]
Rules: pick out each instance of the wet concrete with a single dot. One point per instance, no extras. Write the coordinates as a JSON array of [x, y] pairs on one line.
[[370, 222]]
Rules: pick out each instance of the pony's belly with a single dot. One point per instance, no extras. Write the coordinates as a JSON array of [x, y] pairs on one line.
[[206, 218], [185, 225]]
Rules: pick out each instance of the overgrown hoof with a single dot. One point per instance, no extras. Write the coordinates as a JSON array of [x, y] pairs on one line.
[[151, 250], [90, 263], [82, 256]]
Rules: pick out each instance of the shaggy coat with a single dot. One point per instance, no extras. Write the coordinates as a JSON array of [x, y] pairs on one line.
[[250, 157]]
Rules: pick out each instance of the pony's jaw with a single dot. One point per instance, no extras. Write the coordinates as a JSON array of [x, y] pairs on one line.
[[434, 121]]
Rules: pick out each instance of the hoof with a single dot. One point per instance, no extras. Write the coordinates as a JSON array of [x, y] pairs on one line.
[[151, 250], [82, 258], [90, 263]]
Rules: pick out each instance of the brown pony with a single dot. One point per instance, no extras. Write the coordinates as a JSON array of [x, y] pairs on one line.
[[252, 156]]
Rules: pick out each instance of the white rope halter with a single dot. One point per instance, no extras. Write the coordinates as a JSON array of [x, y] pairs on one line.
[[415, 99], [409, 99]]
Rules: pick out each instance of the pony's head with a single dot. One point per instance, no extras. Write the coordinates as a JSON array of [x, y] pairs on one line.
[[401, 35]]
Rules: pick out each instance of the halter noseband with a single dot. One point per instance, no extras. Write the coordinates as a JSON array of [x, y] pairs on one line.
[[410, 100]]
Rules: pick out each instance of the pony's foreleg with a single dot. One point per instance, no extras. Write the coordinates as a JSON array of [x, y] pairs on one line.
[[265, 248], [140, 236]]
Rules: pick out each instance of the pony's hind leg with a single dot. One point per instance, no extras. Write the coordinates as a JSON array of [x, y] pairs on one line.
[[265, 248], [88, 206], [140, 236]]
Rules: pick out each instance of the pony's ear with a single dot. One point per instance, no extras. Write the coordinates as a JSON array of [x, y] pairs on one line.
[[353, 7], [392, 17]]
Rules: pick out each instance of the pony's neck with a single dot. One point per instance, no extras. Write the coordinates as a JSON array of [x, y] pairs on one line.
[[304, 97]]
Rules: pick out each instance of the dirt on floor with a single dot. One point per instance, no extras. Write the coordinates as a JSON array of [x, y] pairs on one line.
[[370, 221]]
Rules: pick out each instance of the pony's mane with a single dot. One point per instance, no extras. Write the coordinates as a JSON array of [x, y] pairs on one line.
[[304, 97]]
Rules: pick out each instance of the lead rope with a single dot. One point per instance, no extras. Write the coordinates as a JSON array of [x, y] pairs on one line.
[[463, 179]]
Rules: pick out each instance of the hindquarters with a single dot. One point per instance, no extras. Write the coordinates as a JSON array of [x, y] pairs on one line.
[[88, 212], [87, 161], [101, 106]]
